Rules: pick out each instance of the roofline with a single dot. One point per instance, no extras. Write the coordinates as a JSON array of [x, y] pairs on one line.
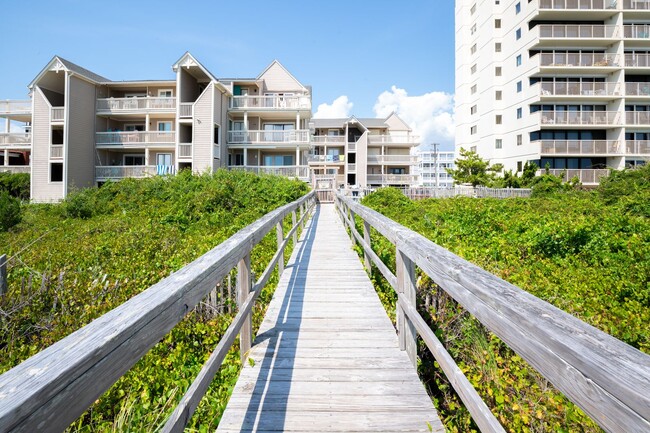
[[138, 82], [176, 65], [409, 129], [285, 70]]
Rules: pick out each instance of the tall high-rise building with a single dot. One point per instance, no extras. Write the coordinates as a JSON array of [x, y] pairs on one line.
[[562, 83]]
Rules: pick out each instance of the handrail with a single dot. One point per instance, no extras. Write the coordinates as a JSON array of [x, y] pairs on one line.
[[605, 377], [55, 386]]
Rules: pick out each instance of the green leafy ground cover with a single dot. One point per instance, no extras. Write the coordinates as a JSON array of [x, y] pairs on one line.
[[110, 244], [587, 253]]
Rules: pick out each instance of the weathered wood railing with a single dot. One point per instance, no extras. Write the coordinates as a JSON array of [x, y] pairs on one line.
[[607, 378], [54, 387]]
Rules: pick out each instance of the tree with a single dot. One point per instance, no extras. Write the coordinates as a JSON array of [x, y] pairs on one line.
[[471, 168]]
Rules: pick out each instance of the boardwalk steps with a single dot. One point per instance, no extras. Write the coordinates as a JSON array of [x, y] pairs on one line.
[[326, 357]]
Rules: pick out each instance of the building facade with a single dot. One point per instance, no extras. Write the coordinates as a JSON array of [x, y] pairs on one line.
[[562, 83], [432, 168], [80, 129]]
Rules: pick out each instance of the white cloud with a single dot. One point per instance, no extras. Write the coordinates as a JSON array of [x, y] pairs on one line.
[[431, 116], [341, 107]]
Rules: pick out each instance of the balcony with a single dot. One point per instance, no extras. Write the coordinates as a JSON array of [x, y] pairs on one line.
[[391, 179], [394, 140], [115, 172], [11, 108], [637, 147], [352, 168], [328, 139], [579, 147], [589, 176], [268, 137], [637, 117], [56, 151], [352, 147], [134, 138], [637, 89], [136, 105], [185, 150], [577, 31], [186, 110], [15, 168], [642, 5], [299, 171], [326, 159], [585, 88], [636, 31], [58, 114], [392, 159], [577, 4], [16, 139], [270, 103], [583, 60], [579, 118]]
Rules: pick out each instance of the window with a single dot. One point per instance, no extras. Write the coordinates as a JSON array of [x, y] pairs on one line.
[[497, 23], [472, 149], [333, 132], [519, 139], [473, 130], [520, 113], [498, 143], [473, 109], [133, 160], [519, 60], [473, 89], [164, 159], [518, 33], [497, 95], [278, 160], [164, 126], [498, 119], [497, 71], [473, 29], [497, 47], [517, 8], [165, 93], [133, 127], [473, 49], [519, 86], [473, 9], [519, 165], [278, 132], [56, 172], [473, 69]]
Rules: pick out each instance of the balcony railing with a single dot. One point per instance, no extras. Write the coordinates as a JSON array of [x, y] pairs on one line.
[[394, 139], [392, 159], [216, 150], [579, 117], [578, 31], [292, 136], [577, 4], [585, 88], [636, 4], [299, 171], [16, 139], [352, 147], [186, 109], [636, 31], [56, 151], [637, 147], [123, 171], [15, 168], [637, 89], [325, 158], [270, 102], [637, 117], [185, 150], [589, 176], [637, 60], [328, 139], [15, 107], [352, 168], [385, 179], [137, 104], [578, 59], [58, 114], [580, 147], [135, 137]]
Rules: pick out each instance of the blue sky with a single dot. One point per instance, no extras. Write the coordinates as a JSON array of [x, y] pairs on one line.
[[352, 49]]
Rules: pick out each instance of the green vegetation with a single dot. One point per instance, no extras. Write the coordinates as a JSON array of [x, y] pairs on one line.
[[16, 184], [10, 213], [77, 260], [587, 253]]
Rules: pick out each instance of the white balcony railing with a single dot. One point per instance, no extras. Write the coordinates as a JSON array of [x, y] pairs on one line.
[[352, 147], [637, 117], [585, 88], [216, 150], [352, 168], [637, 147], [579, 117], [392, 159], [577, 31], [637, 60], [589, 176], [135, 137], [137, 104], [636, 4], [328, 139], [637, 89], [15, 168], [275, 102], [636, 31], [394, 139], [186, 109], [299, 171], [123, 171], [16, 139], [56, 151], [325, 158], [15, 107], [385, 179], [292, 136], [564, 59], [577, 4], [185, 150], [580, 147], [58, 114]]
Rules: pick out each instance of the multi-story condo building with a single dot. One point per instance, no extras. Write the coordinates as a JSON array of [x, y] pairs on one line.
[[432, 168], [364, 152], [563, 83]]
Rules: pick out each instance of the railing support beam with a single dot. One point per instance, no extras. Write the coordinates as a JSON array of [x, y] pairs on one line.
[[366, 238], [280, 239], [406, 288], [243, 289]]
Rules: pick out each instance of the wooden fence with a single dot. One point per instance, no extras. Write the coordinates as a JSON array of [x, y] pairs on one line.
[[605, 377], [478, 192], [54, 387]]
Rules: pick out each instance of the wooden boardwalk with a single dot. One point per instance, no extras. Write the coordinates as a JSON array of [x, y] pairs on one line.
[[326, 358]]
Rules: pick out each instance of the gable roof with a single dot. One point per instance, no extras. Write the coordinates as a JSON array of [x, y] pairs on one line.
[[277, 63], [188, 60], [59, 63]]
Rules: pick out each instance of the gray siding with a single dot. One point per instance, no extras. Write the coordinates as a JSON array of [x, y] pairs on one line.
[[80, 126], [203, 131], [42, 190], [220, 118], [362, 160]]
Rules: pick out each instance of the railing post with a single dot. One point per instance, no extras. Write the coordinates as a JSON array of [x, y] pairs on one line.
[[293, 224], [243, 290], [366, 238], [3, 274], [280, 239], [406, 289]]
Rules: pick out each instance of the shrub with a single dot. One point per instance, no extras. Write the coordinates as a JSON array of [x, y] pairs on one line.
[[10, 214], [16, 184]]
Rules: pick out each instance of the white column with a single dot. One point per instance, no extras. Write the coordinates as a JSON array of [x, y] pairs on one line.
[[245, 121], [6, 161], [297, 160], [298, 120], [146, 156], [245, 157], [7, 125]]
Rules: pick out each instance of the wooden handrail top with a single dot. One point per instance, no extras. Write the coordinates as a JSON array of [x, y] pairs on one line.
[[604, 376], [52, 388]]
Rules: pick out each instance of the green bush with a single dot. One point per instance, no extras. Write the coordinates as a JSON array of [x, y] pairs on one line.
[[10, 214], [16, 184]]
